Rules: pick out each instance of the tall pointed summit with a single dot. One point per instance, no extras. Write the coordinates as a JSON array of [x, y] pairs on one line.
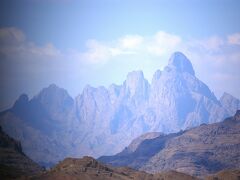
[[136, 84], [181, 63]]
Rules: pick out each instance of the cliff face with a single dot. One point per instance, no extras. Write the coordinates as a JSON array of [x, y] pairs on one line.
[[199, 151]]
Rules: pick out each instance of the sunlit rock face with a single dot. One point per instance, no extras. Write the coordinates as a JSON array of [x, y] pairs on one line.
[[102, 121]]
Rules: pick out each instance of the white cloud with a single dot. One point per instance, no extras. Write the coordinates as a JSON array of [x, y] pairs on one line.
[[98, 52], [162, 43], [166, 39], [130, 41], [157, 45], [234, 39]]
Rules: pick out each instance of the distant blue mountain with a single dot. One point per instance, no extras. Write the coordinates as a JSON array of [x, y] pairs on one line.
[[102, 121]]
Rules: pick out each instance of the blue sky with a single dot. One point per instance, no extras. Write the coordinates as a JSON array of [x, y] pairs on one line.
[[69, 23], [73, 43]]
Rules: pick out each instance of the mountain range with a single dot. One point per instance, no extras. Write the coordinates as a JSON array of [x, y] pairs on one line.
[[102, 121]]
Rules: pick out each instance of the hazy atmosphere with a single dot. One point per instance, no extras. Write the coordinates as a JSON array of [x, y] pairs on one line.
[[120, 89], [74, 43]]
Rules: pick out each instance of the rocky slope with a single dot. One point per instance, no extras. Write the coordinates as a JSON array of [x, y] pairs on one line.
[[88, 168], [102, 121], [199, 151], [13, 162]]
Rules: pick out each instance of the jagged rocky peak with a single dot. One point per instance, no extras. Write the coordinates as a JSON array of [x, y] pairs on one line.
[[55, 100], [134, 77], [87, 94], [93, 97], [53, 91], [114, 91], [181, 63], [136, 83], [156, 76], [92, 91], [88, 90], [230, 103]]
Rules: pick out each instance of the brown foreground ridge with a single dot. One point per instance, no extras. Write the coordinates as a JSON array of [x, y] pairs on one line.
[[88, 168]]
